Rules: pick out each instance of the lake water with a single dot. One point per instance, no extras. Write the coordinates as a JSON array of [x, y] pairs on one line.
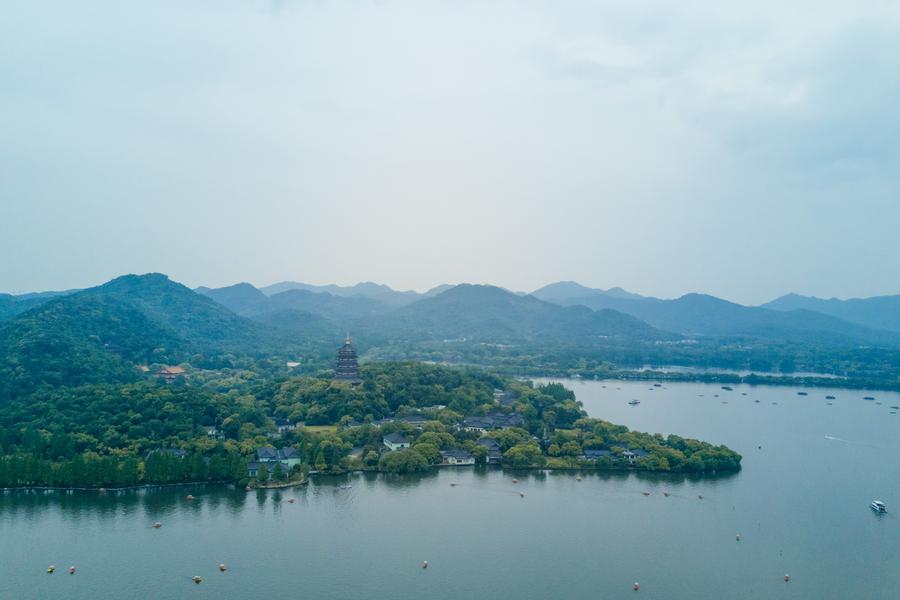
[[800, 505]]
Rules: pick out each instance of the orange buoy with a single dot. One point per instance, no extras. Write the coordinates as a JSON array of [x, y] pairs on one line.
[[51, 568], [72, 570], [635, 586], [787, 578], [196, 579], [222, 567], [157, 525], [424, 564]]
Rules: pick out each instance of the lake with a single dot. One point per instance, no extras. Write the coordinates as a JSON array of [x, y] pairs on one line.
[[800, 505]]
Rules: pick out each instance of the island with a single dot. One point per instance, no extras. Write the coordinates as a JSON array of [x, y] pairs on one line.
[[249, 429]]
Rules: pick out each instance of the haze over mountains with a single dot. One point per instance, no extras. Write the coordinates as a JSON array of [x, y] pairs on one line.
[[101, 333], [487, 310]]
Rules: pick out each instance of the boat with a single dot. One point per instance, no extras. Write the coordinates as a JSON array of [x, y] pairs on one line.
[[756, 401], [727, 388], [634, 402], [878, 506], [657, 385], [895, 407], [868, 397], [803, 393], [830, 398]]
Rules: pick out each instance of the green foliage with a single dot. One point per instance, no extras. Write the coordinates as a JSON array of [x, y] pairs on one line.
[[403, 461], [524, 455]]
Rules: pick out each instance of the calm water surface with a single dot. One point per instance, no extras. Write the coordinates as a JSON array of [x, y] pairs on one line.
[[800, 505]]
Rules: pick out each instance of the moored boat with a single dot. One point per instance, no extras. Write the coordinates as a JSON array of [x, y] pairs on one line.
[[878, 506]]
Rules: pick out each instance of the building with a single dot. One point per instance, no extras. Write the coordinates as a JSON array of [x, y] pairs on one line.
[[457, 457], [416, 421], [634, 455], [395, 441], [595, 454], [492, 422], [494, 455], [347, 367], [284, 425], [287, 456], [173, 452], [169, 374]]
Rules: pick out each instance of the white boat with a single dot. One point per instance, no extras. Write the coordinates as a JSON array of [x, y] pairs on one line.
[[878, 506]]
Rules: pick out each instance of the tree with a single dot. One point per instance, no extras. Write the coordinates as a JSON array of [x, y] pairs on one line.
[[524, 455], [431, 452], [262, 474]]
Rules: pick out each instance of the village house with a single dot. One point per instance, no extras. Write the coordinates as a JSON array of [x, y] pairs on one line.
[[395, 441], [494, 455], [284, 425], [490, 423], [457, 457], [169, 374], [595, 454], [287, 457], [634, 455]]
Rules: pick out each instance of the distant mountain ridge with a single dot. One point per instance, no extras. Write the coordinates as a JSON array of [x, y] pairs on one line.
[[877, 312], [563, 290], [490, 313], [366, 289], [704, 315]]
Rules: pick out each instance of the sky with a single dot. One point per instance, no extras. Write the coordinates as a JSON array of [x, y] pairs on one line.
[[740, 149]]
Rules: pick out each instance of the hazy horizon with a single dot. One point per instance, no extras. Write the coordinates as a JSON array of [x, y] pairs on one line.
[[740, 151], [419, 291]]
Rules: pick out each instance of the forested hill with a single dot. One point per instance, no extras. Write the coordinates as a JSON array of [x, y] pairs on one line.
[[488, 313], [100, 334]]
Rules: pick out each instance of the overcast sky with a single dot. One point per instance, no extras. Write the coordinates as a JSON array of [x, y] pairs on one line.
[[740, 149]]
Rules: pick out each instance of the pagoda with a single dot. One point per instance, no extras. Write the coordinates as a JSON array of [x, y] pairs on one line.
[[347, 368]]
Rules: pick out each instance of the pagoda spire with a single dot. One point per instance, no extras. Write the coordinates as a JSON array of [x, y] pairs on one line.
[[347, 367]]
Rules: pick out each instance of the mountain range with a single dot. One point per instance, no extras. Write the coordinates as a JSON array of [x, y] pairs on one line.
[[101, 333]]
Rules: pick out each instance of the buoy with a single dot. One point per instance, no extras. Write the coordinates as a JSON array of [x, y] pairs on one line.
[[700, 497], [189, 497], [222, 567], [521, 494], [51, 568], [157, 525], [196, 579], [424, 564], [635, 586], [787, 577], [738, 537]]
